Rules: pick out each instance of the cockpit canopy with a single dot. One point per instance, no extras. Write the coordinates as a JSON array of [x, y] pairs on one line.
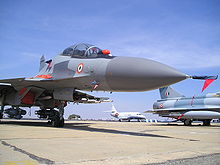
[[83, 50]]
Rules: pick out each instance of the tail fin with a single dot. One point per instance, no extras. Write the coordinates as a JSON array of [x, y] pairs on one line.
[[42, 63], [168, 92], [113, 109], [114, 112]]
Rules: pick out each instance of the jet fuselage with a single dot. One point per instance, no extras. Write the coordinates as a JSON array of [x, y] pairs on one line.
[[209, 100]]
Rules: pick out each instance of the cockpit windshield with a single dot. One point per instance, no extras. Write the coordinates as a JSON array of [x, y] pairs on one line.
[[85, 51]]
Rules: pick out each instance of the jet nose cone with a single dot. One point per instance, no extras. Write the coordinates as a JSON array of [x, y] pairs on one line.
[[139, 74]]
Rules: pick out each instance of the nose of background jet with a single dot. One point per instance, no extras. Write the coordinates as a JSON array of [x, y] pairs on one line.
[[139, 74]]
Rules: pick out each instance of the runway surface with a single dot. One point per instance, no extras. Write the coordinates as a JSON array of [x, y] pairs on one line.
[[32, 142]]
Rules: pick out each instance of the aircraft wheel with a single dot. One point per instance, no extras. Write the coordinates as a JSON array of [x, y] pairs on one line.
[[120, 120], [55, 122], [1, 115], [61, 122], [187, 122], [206, 122]]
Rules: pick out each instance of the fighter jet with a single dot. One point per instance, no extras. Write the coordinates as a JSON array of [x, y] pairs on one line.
[[187, 109], [127, 116], [81, 67]]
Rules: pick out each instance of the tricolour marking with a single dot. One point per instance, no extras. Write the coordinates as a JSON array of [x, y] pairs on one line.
[[80, 68]]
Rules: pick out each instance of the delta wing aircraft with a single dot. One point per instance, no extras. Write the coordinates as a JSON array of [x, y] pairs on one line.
[[127, 116], [81, 67], [187, 109]]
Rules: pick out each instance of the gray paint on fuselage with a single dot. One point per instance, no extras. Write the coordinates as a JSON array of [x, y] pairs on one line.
[[94, 70], [187, 102], [138, 74], [115, 74]]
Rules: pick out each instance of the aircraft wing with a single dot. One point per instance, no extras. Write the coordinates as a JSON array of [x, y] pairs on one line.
[[49, 85], [41, 82], [12, 81], [182, 109]]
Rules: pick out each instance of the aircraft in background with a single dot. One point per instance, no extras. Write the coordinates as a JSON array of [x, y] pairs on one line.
[[187, 109], [82, 67], [127, 116]]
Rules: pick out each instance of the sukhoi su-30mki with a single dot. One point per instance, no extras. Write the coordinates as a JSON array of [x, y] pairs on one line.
[[81, 67]]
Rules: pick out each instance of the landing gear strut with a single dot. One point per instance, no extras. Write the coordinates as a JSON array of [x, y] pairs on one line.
[[58, 120], [1, 111], [2, 98]]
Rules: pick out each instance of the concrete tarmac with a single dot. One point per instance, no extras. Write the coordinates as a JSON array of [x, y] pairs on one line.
[[32, 142]]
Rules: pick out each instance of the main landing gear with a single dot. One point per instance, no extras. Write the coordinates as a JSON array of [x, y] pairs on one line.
[[55, 117], [58, 120], [187, 122], [1, 111], [206, 122]]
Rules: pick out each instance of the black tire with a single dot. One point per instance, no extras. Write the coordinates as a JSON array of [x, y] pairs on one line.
[[188, 122], [1, 115], [57, 122], [206, 122], [61, 123]]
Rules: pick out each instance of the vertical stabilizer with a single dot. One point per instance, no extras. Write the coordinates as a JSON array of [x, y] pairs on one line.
[[168, 92], [42, 63], [113, 109], [114, 112]]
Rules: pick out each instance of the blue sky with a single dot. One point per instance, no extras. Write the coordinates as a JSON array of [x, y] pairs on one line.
[[182, 34]]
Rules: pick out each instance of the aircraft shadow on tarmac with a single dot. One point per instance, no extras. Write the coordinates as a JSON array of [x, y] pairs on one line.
[[86, 127], [81, 126]]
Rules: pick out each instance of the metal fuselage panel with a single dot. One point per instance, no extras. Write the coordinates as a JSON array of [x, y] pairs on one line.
[[129, 74], [121, 74], [128, 115], [206, 107], [92, 70], [188, 103]]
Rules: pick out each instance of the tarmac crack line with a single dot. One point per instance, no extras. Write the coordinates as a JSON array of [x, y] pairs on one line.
[[32, 156]]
